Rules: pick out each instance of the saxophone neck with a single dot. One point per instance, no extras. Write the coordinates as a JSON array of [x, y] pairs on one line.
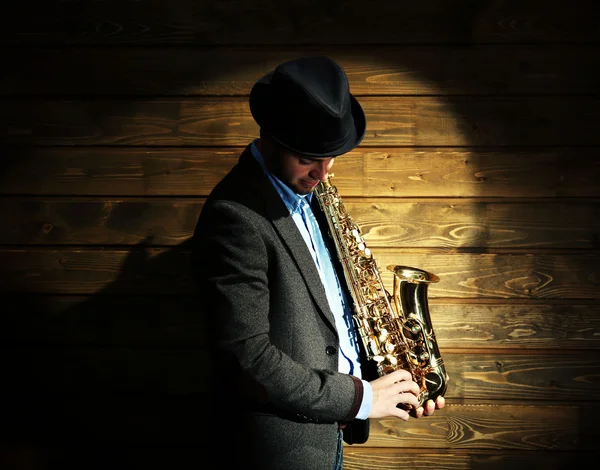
[[324, 186]]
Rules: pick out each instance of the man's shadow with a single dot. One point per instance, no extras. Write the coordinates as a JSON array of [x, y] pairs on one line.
[[108, 373]]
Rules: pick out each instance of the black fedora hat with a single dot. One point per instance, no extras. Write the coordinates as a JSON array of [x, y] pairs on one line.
[[305, 104]]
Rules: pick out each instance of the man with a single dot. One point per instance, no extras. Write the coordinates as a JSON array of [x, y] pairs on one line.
[[289, 361]]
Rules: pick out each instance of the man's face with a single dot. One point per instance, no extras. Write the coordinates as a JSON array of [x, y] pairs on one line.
[[300, 172]]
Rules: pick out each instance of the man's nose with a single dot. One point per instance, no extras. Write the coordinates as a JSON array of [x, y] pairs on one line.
[[321, 170]]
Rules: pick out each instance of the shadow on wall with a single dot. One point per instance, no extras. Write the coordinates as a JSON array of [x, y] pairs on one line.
[[127, 368]]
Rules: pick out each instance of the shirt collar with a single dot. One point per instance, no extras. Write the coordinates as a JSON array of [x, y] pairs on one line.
[[293, 201]]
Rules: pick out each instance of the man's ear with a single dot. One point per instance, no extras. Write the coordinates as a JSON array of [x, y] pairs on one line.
[[265, 135], [266, 145]]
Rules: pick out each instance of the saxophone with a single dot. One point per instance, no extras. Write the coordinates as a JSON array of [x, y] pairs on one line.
[[395, 329]]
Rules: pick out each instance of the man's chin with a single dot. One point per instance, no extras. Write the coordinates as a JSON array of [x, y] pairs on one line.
[[302, 189], [308, 187]]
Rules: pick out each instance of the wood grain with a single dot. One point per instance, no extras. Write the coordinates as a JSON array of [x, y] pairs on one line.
[[355, 458], [499, 427], [454, 223], [504, 376], [539, 276], [166, 271], [513, 324], [364, 458], [128, 320], [386, 70], [297, 22], [226, 121], [130, 419], [364, 172]]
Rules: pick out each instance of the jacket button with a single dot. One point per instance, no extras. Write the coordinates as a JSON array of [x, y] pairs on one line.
[[330, 350]]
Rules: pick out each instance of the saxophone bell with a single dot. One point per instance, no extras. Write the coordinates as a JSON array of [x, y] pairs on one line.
[[411, 303]]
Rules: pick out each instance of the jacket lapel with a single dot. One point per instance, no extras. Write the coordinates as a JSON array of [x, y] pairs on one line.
[[287, 230]]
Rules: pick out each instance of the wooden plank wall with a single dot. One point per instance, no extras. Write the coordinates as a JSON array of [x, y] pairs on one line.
[[480, 164]]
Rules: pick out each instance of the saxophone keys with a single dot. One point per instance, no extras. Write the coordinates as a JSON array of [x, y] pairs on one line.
[[373, 348], [421, 354], [413, 326], [391, 359]]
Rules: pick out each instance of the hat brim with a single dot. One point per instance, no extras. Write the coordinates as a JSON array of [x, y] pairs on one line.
[[261, 103]]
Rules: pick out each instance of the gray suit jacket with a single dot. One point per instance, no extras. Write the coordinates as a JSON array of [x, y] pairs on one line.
[[277, 344]]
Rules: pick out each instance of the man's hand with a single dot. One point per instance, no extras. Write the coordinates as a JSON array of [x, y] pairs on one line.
[[430, 407], [395, 388], [398, 388]]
